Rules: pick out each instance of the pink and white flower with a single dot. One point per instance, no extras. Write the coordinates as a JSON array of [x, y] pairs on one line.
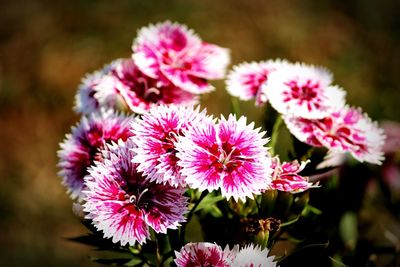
[[204, 254], [245, 80], [251, 256], [156, 135], [86, 99], [83, 146], [123, 204], [122, 86], [303, 91], [346, 130], [173, 53], [286, 176], [229, 156]]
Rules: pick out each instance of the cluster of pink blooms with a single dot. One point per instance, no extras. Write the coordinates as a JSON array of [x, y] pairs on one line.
[[170, 64], [313, 109], [208, 254], [130, 172]]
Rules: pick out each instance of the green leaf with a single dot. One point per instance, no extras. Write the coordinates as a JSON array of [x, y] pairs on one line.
[[311, 209], [348, 229], [290, 222], [209, 201]]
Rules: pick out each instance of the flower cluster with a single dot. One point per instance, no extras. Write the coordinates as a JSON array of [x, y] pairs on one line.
[[313, 109], [144, 156], [169, 65]]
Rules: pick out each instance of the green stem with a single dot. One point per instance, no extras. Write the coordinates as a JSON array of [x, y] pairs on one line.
[[189, 216], [275, 133], [158, 254], [235, 106]]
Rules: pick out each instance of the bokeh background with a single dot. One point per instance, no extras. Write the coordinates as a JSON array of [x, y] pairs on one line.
[[46, 47]]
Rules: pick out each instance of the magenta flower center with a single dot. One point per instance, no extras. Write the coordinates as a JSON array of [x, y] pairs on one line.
[[227, 157], [136, 195], [307, 92], [144, 88]]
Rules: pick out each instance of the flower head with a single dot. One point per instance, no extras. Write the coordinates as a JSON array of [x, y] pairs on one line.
[[303, 91], [251, 256], [204, 254], [156, 135], [83, 146], [245, 80], [229, 156], [347, 130], [86, 99], [122, 86], [286, 176], [123, 203], [173, 53]]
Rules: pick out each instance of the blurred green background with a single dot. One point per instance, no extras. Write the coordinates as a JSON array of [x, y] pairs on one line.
[[46, 46]]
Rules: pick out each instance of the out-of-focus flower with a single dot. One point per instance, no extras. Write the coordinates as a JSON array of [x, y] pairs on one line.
[[172, 52], [391, 170], [122, 86], [286, 176], [245, 80], [229, 156], [251, 256], [347, 130], [86, 100], [123, 204], [204, 254], [156, 134], [303, 91], [392, 131], [83, 146]]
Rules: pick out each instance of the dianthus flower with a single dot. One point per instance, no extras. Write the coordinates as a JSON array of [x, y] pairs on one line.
[[204, 254], [87, 98], [229, 156], [122, 86], [251, 256], [173, 53], [303, 91], [347, 130], [84, 144], [245, 80], [286, 176], [123, 204], [156, 134]]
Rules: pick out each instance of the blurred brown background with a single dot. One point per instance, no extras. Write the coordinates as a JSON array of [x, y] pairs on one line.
[[46, 46]]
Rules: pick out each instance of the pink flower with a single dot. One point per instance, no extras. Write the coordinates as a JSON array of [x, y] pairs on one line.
[[122, 86], [86, 99], [245, 80], [123, 204], [156, 134], [286, 176], [392, 132], [204, 254], [346, 130], [172, 52], [303, 91], [83, 146], [229, 156], [251, 256]]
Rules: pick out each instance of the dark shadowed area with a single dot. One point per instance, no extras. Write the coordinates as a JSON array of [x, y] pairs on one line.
[[46, 47]]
